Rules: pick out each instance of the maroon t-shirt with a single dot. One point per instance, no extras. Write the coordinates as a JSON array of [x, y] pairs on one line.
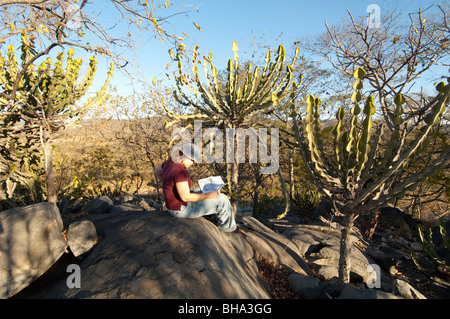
[[173, 173]]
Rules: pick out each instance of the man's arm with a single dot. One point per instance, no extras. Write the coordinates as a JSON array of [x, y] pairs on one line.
[[186, 195]]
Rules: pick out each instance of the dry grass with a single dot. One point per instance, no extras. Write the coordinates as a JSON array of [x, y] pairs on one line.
[[276, 277]]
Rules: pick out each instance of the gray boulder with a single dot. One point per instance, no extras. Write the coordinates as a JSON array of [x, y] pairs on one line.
[[351, 292], [126, 207], [307, 286], [274, 246], [404, 289], [81, 237], [99, 205], [320, 246], [31, 242]]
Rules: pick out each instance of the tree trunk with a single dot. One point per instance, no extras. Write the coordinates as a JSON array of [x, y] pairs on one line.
[[232, 165], [234, 186], [258, 181], [346, 247], [255, 202], [48, 166], [291, 176], [287, 200]]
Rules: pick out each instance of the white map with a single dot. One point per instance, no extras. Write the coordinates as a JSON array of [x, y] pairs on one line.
[[211, 184]]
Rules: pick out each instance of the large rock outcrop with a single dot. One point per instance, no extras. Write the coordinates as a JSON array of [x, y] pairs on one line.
[[30, 243], [140, 252], [153, 255]]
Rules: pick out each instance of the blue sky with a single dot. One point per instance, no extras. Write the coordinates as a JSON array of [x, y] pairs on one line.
[[247, 21]]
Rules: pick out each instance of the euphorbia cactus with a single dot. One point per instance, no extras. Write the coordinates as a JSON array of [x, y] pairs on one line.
[[44, 98], [360, 176]]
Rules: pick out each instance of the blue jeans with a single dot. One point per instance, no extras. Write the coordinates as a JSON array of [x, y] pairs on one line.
[[219, 206]]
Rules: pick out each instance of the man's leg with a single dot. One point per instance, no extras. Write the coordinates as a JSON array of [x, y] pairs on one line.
[[219, 206]]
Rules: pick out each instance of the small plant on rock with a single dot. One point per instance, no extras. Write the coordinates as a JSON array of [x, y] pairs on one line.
[[431, 250]]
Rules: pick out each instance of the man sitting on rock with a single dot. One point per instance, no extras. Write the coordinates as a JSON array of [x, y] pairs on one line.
[[180, 201]]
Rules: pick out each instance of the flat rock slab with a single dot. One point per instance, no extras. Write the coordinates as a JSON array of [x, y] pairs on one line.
[[274, 246], [153, 255]]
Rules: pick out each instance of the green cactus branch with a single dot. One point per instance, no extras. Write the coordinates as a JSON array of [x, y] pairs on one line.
[[405, 157], [323, 176], [430, 249], [232, 102]]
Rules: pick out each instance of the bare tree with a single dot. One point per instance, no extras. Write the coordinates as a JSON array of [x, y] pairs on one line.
[[394, 54], [78, 24], [399, 54], [141, 131]]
